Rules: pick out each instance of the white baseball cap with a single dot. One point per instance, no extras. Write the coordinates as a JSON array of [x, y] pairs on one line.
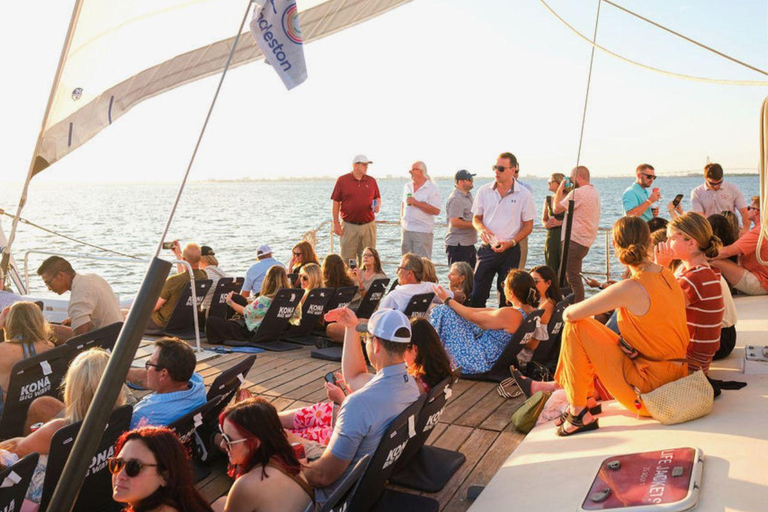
[[263, 250], [388, 324], [362, 159]]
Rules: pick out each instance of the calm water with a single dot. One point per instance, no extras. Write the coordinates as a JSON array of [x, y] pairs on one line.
[[235, 218]]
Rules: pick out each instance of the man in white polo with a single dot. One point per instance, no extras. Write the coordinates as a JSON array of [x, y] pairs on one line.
[[421, 203], [503, 215], [717, 196]]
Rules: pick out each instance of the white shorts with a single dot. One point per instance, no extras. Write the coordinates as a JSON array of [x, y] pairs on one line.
[[750, 285]]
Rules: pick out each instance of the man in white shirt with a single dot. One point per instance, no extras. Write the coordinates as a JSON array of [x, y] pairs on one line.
[[410, 273], [503, 215], [92, 303], [718, 196], [421, 202]]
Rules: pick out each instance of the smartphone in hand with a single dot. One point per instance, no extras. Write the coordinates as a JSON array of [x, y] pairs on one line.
[[167, 246], [330, 377], [352, 263], [676, 200]]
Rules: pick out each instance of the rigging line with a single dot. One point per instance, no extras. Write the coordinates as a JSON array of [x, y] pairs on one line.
[[30, 223], [589, 82], [651, 68], [202, 130], [701, 45]]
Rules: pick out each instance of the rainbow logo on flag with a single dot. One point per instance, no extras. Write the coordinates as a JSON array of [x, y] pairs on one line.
[[291, 24]]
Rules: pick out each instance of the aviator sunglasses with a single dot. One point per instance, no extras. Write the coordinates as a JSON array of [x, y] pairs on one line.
[[501, 168], [132, 466]]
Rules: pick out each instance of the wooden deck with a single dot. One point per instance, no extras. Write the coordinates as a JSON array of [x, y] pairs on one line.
[[476, 421]]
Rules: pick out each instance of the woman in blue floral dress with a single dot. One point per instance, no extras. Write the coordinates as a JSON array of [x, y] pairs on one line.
[[475, 337]]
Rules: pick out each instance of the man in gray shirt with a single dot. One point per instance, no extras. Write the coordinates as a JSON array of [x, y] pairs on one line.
[[377, 399], [461, 237]]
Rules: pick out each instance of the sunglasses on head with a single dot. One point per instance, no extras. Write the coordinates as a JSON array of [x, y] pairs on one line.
[[132, 466]]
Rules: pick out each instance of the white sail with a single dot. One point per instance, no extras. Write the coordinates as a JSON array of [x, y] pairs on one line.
[[123, 52]]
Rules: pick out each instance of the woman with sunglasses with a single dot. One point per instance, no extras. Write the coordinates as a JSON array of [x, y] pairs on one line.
[[369, 270], [553, 222], [152, 473], [310, 277], [263, 462], [303, 253], [80, 383], [218, 329]]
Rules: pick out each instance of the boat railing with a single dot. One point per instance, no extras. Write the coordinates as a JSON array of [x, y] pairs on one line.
[[316, 234]]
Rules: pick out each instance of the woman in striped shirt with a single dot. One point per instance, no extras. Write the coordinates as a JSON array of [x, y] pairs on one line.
[[691, 240]]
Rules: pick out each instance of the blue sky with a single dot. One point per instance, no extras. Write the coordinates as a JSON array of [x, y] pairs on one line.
[[449, 82]]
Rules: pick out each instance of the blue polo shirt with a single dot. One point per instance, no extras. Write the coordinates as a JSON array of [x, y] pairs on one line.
[[365, 415], [162, 409], [255, 275], [633, 197]]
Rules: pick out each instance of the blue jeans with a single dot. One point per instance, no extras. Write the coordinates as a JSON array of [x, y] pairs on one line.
[[490, 264]]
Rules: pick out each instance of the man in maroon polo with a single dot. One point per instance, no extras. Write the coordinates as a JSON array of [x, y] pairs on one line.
[[356, 197]]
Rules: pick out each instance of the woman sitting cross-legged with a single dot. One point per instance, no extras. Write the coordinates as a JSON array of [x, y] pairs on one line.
[[152, 473], [651, 317], [425, 358], [476, 337], [268, 474], [241, 329]]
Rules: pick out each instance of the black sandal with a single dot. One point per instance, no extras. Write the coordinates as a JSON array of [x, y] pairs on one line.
[[578, 422], [594, 411], [522, 382]]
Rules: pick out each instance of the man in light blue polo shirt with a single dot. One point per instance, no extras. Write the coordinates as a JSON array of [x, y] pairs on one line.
[[169, 372], [377, 399], [637, 200], [255, 274]]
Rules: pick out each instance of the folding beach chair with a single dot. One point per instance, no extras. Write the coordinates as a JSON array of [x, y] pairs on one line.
[[194, 430], [14, 481], [549, 350], [371, 493], [274, 324], [419, 305], [96, 492], [339, 498], [228, 382], [104, 337], [500, 369], [219, 307], [32, 378], [341, 297], [182, 322], [393, 285], [372, 298], [311, 316], [422, 467]]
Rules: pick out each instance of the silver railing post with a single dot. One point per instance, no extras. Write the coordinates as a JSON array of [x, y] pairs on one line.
[[607, 257], [198, 348]]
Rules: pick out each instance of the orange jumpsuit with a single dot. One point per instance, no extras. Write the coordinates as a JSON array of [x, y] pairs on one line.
[[661, 336]]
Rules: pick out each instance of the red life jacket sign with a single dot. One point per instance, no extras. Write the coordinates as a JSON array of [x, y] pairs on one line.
[[667, 479]]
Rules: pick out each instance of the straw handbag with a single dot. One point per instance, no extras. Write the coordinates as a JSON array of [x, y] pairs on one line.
[[682, 400]]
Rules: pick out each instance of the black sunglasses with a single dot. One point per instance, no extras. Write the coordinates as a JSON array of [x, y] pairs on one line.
[[753, 208], [501, 168], [649, 176], [150, 364], [132, 466], [714, 183]]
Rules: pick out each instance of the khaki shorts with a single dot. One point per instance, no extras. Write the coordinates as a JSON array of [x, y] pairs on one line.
[[749, 284]]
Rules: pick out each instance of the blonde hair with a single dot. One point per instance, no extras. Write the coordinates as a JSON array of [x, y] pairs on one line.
[[632, 240], [210, 260], [694, 226], [430, 274], [82, 380], [26, 323], [275, 280], [315, 275]]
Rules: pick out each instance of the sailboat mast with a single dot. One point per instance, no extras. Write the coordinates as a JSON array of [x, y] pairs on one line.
[[34, 166]]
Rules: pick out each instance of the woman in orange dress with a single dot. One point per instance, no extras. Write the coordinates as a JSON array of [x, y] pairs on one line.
[[651, 314]]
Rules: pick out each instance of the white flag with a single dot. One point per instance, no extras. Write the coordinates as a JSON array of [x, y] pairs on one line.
[[275, 27]]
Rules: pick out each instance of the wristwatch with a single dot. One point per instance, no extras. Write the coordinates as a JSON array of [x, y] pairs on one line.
[[447, 300], [514, 242]]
